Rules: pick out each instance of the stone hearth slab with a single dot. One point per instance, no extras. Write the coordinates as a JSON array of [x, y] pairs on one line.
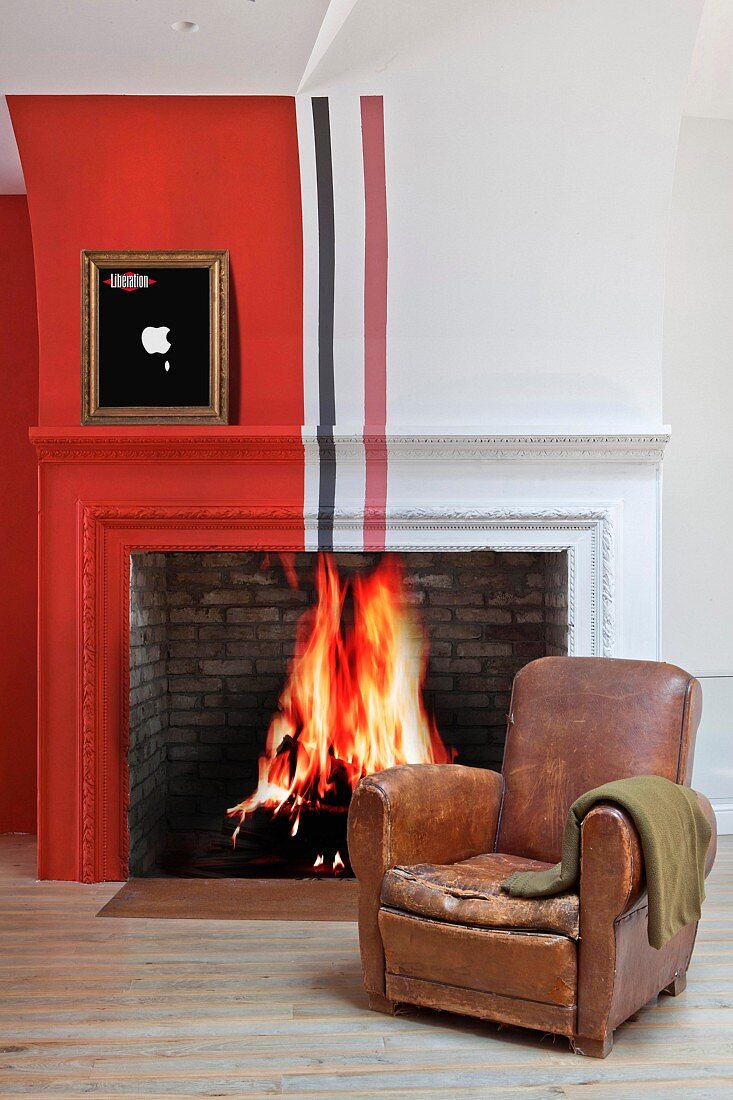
[[236, 899]]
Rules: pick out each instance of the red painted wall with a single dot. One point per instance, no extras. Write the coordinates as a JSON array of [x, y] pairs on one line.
[[18, 411], [137, 172]]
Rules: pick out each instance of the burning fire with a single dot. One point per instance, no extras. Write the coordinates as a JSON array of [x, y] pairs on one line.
[[352, 703]]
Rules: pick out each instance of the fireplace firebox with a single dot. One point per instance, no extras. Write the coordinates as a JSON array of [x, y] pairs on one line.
[[263, 685]]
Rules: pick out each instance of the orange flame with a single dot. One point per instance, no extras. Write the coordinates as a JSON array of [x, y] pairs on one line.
[[352, 703]]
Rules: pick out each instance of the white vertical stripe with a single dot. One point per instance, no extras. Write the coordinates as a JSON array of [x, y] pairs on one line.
[[310, 489], [348, 197], [309, 206], [309, 203], [350, 475], [348, 188]]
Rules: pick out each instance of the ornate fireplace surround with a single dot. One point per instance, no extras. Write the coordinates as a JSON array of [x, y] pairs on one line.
[[103, 496]]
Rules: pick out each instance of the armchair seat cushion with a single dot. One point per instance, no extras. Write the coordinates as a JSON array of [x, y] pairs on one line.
[[470, 893]]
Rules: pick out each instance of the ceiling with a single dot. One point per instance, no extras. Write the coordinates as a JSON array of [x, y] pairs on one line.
[[116, 47], [128, 46], [242, 47]]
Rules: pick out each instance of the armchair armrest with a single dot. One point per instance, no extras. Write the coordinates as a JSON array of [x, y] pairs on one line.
[[612, 862], [415, 813], [612, 888]]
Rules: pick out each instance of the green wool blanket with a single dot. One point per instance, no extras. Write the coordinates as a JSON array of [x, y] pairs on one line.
[[674, 834]]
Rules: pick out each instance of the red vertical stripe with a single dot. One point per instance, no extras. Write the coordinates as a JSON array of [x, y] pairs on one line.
[[375, 319]]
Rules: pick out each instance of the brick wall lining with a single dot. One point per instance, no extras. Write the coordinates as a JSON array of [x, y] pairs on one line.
[[149, 707]]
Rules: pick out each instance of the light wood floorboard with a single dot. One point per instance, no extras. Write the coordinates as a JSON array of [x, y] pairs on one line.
[[167, 1008]]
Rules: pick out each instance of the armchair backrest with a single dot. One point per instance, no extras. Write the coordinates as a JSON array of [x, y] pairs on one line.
[[577, 722]]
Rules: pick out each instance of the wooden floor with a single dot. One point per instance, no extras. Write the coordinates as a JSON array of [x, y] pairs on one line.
[[205, 1008]]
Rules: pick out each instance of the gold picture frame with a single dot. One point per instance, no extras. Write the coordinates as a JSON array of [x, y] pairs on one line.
[[95, 383]]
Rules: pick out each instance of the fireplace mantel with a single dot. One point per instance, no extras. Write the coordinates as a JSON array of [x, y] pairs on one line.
[[107, 492], [272, 444]]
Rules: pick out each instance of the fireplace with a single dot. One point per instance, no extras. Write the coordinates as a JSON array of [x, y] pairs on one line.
[[113, 499], [352, 661]]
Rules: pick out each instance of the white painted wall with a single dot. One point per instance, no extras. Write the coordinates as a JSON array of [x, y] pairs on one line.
[[698, 467], [530, 150], [530, 158]]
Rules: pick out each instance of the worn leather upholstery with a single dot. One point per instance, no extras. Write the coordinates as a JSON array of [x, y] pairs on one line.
[[427, 843], [527, 965], [577, 722], [470, 893], [440, 813]]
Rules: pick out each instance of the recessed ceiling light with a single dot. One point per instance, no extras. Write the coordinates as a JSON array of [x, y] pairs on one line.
[[186, 26]]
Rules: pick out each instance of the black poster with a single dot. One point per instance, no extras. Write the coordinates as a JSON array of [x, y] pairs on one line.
[[154, 346], [153, 337]]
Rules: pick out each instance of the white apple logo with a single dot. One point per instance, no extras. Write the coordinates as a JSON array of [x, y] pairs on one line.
[[155, 340]]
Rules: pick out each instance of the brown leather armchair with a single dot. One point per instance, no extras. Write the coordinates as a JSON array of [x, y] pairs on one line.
[[430, 845]]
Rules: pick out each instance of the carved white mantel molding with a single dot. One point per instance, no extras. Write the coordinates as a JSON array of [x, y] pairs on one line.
[[646, 448], [587, 533]]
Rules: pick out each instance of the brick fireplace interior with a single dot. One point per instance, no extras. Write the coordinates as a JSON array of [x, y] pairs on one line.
[[211, 638]]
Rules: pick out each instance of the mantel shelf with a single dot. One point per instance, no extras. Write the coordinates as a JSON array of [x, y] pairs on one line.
[[286, 443]]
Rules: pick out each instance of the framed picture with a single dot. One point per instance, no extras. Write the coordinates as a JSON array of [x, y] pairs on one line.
[[154, 337]]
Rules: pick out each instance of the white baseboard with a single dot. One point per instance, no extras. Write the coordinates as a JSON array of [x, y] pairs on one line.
[[723, 814]]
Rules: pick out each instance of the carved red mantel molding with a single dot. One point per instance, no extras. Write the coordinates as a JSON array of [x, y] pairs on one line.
[[179, 444]]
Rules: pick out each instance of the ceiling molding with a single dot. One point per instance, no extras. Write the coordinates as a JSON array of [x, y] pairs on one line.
[[11, 172], [337, 13], [710, 84]]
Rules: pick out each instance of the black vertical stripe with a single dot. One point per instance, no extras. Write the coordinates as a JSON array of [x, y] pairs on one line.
[[326, 488], [326, 260], [326, 277]]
